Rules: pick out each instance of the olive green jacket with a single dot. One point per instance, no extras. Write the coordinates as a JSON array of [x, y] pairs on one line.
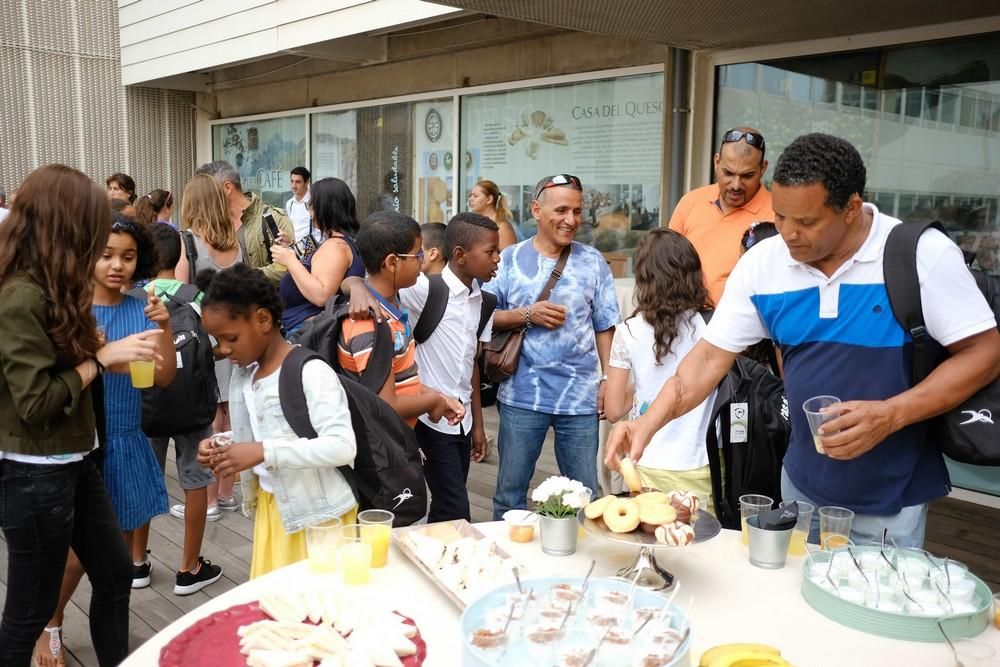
[[253, 235], [44, 408]]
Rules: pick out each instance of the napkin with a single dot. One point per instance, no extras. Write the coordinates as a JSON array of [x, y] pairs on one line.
[[783, 518]]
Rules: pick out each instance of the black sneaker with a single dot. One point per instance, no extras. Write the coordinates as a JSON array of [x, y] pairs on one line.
[[140, 573], [192, 582]]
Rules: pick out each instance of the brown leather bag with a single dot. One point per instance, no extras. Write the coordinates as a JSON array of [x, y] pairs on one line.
[[502, 354]]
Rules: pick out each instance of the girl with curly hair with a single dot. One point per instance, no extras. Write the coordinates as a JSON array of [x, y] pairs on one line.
[[50, 356], [669, 293]]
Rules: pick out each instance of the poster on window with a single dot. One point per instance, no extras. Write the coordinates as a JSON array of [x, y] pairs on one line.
[[434, 159], [334, 148], [264, 152]]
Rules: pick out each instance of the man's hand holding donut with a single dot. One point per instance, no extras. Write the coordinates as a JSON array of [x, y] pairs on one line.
[[628, 438]]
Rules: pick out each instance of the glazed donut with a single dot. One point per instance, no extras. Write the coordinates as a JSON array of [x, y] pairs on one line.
[[652, 498], [685, 499], [675, 534], [657, 513], [622, 515], [596, 509], [628, 471]]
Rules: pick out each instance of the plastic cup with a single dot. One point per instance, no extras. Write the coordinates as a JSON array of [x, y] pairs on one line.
[[974, 653], [816, 418], [520, 525], [996, 610], [355, 555], [142, 373], [751, 505], [322, 542], [800, 533], [835, 526], [376, 529]]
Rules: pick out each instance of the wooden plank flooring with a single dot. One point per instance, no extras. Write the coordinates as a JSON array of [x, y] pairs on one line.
[[961, 530]]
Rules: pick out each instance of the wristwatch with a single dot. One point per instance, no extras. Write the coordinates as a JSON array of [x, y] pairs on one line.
[[603, 378]]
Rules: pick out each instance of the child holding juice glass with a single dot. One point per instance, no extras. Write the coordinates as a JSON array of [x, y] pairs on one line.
[[669, 293], [290, 482]]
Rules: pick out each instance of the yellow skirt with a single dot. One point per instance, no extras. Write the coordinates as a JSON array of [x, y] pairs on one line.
[[272, 546], [697, 481]]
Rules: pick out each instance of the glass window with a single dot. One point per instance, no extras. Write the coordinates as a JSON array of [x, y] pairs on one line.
[[608, 133], [772, 80], [799, 86], [739, 77], [264, 152], [916, 170]]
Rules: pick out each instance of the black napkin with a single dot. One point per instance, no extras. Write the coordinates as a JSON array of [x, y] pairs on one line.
[[783, 518]]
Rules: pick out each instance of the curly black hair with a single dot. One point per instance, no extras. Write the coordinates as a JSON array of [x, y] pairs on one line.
[[465, 230], [147, 260], [830, 161], [240, 289]]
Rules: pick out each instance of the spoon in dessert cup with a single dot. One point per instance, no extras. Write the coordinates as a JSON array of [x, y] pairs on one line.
[[586, 579], [836, 588], [858, 565], [954, 653], [947, 573], [593, 651], [631, 589], [906, 590], [569, 612], [517, 578], [944, 596], [670, 598], [510, 617]]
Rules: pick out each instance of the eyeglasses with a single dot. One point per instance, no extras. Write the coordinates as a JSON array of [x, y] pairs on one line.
[[752, 138], [758, 231], [559, 180], [418, 255]]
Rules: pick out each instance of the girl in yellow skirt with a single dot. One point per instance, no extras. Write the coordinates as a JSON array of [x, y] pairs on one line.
[[290, 482]]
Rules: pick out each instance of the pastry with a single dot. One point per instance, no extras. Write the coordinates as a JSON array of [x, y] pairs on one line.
[[685, 499], [597, 507], [628, 471], [675, 534], [622, 515], [653, 497]]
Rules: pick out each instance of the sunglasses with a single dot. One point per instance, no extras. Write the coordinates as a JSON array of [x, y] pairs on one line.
[[124, 226], [557, 181], [752, 138], [758, 231], [417, 255]]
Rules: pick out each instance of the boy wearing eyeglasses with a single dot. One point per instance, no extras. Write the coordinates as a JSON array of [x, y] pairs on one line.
[[714, 217]]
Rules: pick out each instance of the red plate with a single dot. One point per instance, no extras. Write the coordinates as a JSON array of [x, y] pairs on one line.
[[213, 641]]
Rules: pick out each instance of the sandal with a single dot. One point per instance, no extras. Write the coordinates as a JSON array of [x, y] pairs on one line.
[[54, 655]]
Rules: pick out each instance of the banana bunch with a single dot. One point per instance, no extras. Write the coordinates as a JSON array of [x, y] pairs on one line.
[[743, 655]]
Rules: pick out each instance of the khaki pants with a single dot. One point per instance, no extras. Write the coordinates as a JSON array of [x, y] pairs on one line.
[[697, 481]]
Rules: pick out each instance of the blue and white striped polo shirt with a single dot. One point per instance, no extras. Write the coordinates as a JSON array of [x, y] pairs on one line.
[[838, 336]]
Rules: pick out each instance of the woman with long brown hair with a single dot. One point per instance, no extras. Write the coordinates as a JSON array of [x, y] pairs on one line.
[[52, 496], [669, 293], [486, 199], [157, 206]]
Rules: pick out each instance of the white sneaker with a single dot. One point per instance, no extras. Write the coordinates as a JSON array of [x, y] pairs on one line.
[[214, 513], [229, 504]]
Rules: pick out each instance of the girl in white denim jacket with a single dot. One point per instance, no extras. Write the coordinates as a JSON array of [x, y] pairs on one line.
[[291, 482]]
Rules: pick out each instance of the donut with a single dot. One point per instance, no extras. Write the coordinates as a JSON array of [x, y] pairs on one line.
[[657, 513], [675, 534], [685, 499], [653, 497], [596, 508], [627, 469], [622, 515]]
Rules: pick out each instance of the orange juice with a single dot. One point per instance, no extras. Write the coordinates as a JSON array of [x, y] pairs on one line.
[[377, 535], [745, 531], [142, 373], [996, 615], [355, 563], [797, 545], [819, 445], [832, 540]]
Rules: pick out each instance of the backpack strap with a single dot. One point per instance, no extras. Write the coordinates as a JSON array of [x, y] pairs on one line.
[[380, 361], [191, 252], [434, 307], [899, 272], [489, 306], [556, 274]]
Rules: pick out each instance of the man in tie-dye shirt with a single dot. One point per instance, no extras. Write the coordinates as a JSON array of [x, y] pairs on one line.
[[557, 383]]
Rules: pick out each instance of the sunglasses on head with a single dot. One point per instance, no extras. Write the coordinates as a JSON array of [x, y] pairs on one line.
[[752, 138], [124, 226], [758, 231], [559, 180]]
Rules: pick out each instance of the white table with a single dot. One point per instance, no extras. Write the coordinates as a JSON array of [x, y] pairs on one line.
[[734, 602]]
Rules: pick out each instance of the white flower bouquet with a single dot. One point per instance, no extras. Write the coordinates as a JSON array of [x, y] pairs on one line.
[[560, 497]]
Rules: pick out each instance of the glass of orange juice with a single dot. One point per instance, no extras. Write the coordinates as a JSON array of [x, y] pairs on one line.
[[321, 545], [750, 505], [376, 528], [143, 373], [800, 534], [834, 526], [355, 556]]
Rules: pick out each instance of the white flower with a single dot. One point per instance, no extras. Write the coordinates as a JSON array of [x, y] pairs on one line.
[[561, 492]]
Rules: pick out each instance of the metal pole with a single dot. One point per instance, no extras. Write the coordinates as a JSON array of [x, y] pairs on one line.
[[680, 112]]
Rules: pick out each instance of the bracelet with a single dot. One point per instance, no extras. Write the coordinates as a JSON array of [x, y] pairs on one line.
[[100, 366], [603, 378], [527, 318]]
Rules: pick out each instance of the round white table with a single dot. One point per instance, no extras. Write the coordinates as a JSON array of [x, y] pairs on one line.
[[733, 602]]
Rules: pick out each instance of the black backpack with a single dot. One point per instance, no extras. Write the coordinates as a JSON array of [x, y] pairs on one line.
[[968, 432], [188, 404], [322, 335], [751, 415], [387, 472], [430, 317]]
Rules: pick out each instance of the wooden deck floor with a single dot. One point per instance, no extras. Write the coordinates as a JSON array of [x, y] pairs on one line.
[[962, 530]]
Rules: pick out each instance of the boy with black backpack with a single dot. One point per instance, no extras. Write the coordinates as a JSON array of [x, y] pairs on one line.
[[182, 412]]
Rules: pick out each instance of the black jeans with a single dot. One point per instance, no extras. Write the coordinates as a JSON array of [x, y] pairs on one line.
[[44, 510], [446, 470]]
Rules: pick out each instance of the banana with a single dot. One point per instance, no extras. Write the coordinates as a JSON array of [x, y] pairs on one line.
[[712, 655], [750, 659]]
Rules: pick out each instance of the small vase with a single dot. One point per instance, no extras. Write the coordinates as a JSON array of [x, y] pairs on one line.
[[559, 535]]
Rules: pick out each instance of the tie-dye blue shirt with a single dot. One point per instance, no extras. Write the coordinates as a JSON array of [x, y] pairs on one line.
[[558, 371]]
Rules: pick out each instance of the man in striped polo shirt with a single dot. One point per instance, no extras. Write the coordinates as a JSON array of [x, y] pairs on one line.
[[817, 291]]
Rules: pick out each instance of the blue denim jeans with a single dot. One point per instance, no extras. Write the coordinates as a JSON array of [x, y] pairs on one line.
[[522, 433], [906, 528]]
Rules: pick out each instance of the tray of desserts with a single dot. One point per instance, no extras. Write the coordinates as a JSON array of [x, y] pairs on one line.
[[299, 629], [650, 519], [556, 621], [896, 592], [462, 561]]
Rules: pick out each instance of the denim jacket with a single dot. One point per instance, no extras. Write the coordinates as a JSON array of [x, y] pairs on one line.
[[308, 487]]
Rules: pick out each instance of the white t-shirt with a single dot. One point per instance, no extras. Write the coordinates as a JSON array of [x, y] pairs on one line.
[[300, 216], [680, 445]]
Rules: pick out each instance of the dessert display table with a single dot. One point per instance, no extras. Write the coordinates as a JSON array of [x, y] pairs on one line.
[[733, 602]]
